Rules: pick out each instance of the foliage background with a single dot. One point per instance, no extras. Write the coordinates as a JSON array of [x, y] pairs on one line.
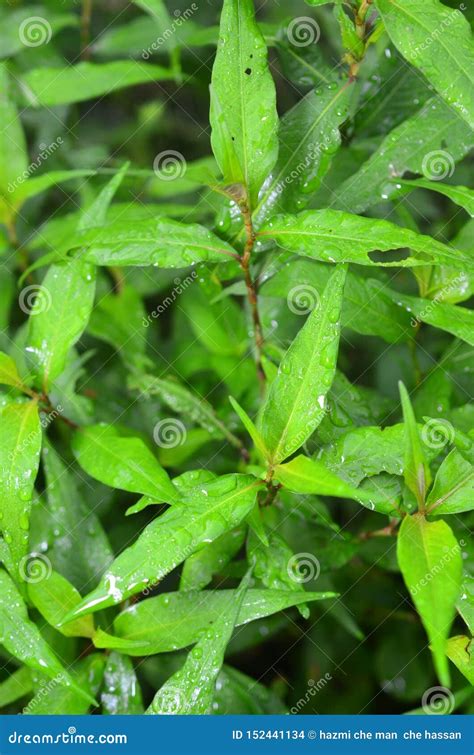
[[367, 652]]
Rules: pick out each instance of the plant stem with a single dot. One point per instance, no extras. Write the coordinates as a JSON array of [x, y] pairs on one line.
[[252, 289]]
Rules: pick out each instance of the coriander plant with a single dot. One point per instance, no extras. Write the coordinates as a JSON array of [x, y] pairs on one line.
[[237, 275]]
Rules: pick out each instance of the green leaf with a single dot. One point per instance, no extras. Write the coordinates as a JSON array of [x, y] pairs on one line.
[[437, 40], [191, 689], [460, 195], [121, 462], [182, 401], [295, 404], [430, 560], [334, 236], [456, 320], [23, 639], [308, 137], [430, 142], [199, 569], [460, 651], [54, 698], [201, 517], [16, 686], [84, 81], [35, 185], [310, 476], [240, 694], [243, 113], [175, 620], [22, 27], [250, 427], [453, 487], [416, 469], [9, 372], [78, 546], [13, 152], [121, 693], [53, 596], [58, 318], [20, 447], [157, 241]]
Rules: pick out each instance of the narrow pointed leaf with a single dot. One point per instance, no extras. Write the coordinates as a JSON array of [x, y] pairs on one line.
[[296, 400], [9, 372], [155, 241], [175, 620], [13, 152], [416, 469], [20, 447], [54, 596], [453, 487], [35, 185], [437, 40], [243, 114], [192, 688], [250, 427], [121, 693], [310, 476], [23, 639], [121, 462], [199, 568], [334, 236], [59, 316], [84, 81], [199, 518], [430, 142], [57, 699], [430, 560], [461, 195]]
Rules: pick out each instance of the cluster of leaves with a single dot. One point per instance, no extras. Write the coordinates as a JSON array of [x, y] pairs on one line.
[[266, 464]]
